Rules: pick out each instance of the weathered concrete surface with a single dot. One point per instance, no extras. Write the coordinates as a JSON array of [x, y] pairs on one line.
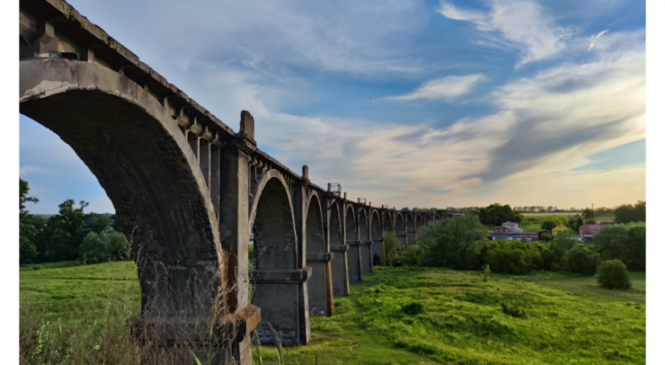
[[276, 254], [317, 257], [353, 242], [340, 273]]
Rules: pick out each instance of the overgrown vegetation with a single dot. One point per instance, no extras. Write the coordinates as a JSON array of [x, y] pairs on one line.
[[396, 315]]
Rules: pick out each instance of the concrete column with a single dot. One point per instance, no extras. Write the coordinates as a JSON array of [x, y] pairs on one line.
[[340, 269], [234, 233], [300, 215], [327, 260]]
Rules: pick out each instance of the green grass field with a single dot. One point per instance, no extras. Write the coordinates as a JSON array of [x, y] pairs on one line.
[[567, 319]]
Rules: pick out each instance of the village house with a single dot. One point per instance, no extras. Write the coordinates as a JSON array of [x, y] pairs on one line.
[[558, 229], [588, 230], [510, 231]]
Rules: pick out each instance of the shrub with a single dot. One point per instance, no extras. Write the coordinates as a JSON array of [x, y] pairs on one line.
[[445, 252], [613, 274], [637, 246], [486, 272], [581, 260], [469, 239], [411, 257], [94, 248], [414, 308], [545, 236], [37, 267], [391, 244], [549, 258], [376, 260], [513, 257], [118, 246], [513, 310]]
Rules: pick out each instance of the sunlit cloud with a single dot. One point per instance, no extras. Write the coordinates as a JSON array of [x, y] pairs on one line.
[[442, 88], [595, 38]]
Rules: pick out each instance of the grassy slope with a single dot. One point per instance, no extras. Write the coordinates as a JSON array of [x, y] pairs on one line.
[[569, 319]]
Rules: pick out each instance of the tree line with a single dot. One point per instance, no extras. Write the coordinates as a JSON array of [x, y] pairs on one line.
[[69, 235]]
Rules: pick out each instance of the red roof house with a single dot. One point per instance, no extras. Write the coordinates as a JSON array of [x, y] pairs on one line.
[[588, 230]]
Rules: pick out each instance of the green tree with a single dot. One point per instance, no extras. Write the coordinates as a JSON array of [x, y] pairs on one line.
[[24, 188], [575, 222], [469, 234], [549, 223], [636, 255], [612, 242], [27, 232], [66, 232], [581, 260], [562, 242], [118, 246], [626, 213], [392, 245], [497, 214], [94, 249], [588, 213]]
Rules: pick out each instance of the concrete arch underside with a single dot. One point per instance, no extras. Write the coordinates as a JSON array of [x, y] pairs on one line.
[[400, 230], [365, 243], [279, 282], [133, 146], [353, 244], [340, 271], [318, 259]]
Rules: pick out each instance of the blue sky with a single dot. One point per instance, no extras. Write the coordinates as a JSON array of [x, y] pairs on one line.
[[405, 103]]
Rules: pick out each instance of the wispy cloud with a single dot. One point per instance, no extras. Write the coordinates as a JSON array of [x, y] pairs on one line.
[[442, 88], [521, 24], [595, 38], [29, 169]]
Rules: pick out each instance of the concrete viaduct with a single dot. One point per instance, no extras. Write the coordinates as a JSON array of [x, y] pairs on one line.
[[191, 191]]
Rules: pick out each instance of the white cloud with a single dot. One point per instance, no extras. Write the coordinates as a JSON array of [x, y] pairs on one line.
[[522, 24], [442, 88], [595, 38], [531, 138]]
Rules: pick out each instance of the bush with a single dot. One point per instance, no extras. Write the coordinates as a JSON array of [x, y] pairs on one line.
[[376, 260], [581, 260], [545, 236], [637, 248], [549, 258], [118, 246], [37, 267], [626, 243], [94, 248], [443, 253], [513, 257], [513, 310], [411, 256], [613, 274], [468, 239], [414, 308], [392, 245]]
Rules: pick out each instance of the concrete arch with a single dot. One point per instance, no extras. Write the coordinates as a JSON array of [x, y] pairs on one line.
[[340, 271], [132, 144], [277, 277], [400, 229], [377, 239], [419, 222], [353, 243], [387, 221], [317, 258], [410, 229], [314, 225], [365, 242]]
